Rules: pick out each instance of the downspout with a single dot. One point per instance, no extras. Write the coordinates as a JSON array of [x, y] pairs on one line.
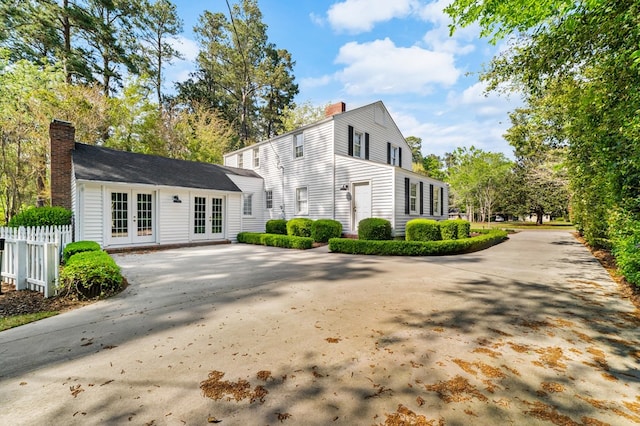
[[283, 213]]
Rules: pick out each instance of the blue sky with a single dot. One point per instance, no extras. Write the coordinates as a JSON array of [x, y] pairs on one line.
[[362, 51]]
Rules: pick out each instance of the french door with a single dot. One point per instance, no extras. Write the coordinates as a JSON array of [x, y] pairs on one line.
[[207, 218], [132, 217]]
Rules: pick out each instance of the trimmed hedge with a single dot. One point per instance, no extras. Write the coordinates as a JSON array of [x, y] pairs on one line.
[[448, 230], [90, 274], [276, 226], [422, 230], [418, 248], [299, 227], [324, 229], [78, 247], [374, 228], [275, 240], [464, 228], [42, 216]]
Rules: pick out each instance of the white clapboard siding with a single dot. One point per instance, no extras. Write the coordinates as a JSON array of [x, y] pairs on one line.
[[173, 218], [367, 120], [254, 186], [351, 170]]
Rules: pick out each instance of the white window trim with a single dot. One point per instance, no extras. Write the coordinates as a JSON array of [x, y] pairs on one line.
[[356, 133], [241, 160], [256, 158], [295, 145], [267, 199], [298, 200], [416, 198], [245, 197], [395, 152], [436, 200]]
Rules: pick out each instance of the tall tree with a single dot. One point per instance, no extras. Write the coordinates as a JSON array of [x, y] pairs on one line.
[[477, 179], [415, 143], [240, 73], [586, 54], [298, 115], [158, 24]]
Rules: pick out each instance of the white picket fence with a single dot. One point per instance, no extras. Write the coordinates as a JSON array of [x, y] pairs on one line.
[[31, 256]]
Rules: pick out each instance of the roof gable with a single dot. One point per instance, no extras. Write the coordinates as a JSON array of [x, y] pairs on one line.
[[94, 163]]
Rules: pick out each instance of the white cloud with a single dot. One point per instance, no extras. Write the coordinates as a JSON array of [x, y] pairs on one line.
[[187, 47], [439, 37], [483, 104], [312, 82], [381, 67], [357, 16]]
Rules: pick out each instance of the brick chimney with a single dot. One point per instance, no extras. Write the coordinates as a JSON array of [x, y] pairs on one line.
[[62, 137], [335, 109]]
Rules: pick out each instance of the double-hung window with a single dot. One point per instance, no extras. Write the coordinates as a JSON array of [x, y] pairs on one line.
[[436, 200], [358, 145], [247, 204], [413, 198], [302, 203], [241, 160], [393, 152], [256, 158], [298, 145], [268, 197]]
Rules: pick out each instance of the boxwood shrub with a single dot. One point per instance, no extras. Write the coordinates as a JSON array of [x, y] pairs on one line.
[[448, 230], [275, 240], [299, 227], [78, 247], [422, 230], [90, 274], [276, 226], [42, 216], [324, 229], [374, 228], [464, 228], [418, 248]]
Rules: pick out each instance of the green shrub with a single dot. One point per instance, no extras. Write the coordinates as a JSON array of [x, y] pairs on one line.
[[448, 230], [90, 274], [42, 216], [625, 242], [299, 227], [417, 248], [374, 228], [276, 226], [324, 229], [423, 230], [78, 247], [464, 228], [275, 240]]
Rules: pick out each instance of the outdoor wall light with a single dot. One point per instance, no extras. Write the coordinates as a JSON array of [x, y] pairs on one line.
[[176, 199], [344, 187]]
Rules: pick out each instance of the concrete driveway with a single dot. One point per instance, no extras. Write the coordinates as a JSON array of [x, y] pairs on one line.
[[532, 331]]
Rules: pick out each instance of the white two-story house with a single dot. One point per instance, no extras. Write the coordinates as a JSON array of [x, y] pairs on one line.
[[349, 166]]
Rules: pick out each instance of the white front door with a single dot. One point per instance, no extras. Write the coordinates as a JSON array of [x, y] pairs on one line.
[[132, 217], [207, 218], [361, 203]]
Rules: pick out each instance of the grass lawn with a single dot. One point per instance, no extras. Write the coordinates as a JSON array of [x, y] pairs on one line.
[[557, 225], [18, 320]]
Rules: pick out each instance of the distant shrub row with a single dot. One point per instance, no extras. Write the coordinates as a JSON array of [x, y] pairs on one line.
[[275, 240]]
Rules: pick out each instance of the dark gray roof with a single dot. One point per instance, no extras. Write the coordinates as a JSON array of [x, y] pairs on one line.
[[109, 165]]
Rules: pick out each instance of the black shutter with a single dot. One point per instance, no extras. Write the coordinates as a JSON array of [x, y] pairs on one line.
[[406, 195], [366, 146], [430, 200], [351, 141], [441, 201], [421, 198], [388, 152], [400, 157]]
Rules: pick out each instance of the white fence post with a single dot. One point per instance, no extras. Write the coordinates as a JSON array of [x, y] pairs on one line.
[[50, 266], [20, 265]]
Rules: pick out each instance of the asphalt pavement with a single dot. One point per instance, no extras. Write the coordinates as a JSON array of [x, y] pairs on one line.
[[532, 331]]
